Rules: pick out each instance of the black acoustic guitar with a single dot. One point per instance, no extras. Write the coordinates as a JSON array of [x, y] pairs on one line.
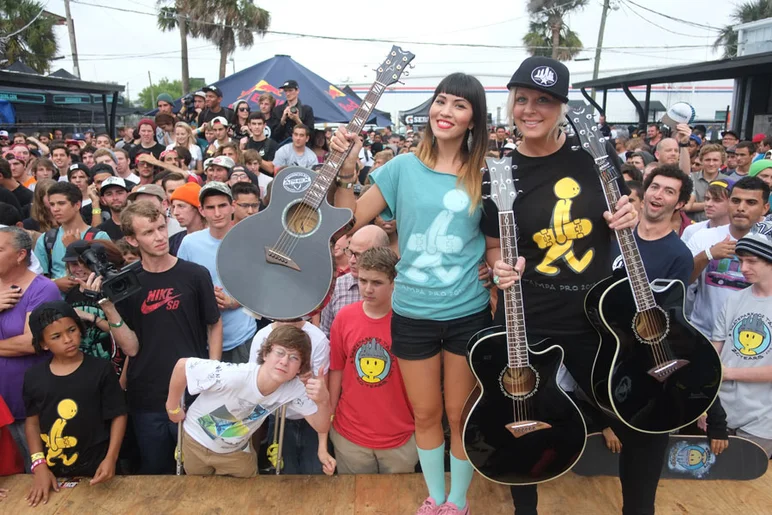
[[521, 427], [278, 263], [654, 371]]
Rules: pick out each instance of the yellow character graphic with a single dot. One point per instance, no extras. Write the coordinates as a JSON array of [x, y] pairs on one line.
[[751, 336], [55, 441], [372, 362], [559, 237]]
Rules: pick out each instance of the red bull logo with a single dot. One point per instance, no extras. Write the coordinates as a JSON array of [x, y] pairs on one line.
[[260, 87], [335, 92]]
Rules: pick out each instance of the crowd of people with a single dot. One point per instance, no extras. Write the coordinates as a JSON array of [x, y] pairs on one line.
[[377, 380]]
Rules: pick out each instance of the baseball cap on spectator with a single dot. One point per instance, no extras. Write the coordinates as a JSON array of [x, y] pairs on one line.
[[726, 183], [289, 84], [167, 152], [758, 241], [199, 94], [71, 142], [188, 192], [697, 139], [78, 136], [730, 133], [102, 168], [214, 188], [758, 166], [542, 74], [71, 253], [3, 134], [510, 146], [224, 161], [680, 112], [112, 182], [146, 121], [732, 149], [78, 166], [207, 162], [219, 119], [758, 138], [148, 189], [214, 89]]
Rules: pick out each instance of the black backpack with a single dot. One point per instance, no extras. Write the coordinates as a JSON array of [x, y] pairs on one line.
[[49, 239]]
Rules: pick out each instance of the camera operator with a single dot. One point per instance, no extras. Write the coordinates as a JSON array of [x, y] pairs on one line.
[[175, 315], [192, 106], [213, 107], [292, 112]]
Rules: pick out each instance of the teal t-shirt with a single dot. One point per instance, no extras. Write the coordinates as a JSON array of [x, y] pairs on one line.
[[440, 242], [57, 268]]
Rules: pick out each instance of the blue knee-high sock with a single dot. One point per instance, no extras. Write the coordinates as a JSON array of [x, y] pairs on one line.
[[433, 467], [461, 472]]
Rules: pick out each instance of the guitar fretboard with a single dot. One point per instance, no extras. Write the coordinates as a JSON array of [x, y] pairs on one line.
[[517, 343], [636, 272], [317, 192]]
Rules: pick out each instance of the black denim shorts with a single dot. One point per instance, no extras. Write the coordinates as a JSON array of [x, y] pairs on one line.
[[421, 339]]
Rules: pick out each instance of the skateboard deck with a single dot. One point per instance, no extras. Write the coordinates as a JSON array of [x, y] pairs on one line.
[[686, 457]]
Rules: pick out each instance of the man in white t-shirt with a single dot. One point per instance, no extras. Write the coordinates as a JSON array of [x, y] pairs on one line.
[[296, 154], [300, 451], [234, 400], [715, 264]]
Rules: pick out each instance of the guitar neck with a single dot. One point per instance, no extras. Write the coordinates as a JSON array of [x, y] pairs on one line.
[[517, 343], [318, 190], [636, 272]]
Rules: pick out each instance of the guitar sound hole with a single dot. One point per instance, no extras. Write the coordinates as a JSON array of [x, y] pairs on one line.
[[651, 325], [301, 219], [519, 381]]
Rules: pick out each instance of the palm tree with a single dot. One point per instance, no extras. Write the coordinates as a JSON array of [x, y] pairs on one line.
[[170, 18], [548, 33], [227, 23], [32, 39], [743, 13]]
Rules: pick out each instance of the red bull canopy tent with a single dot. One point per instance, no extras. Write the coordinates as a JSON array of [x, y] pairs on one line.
[[331, 105]]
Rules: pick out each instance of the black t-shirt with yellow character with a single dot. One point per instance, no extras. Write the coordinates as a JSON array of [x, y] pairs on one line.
[[563, 237], [75, 413]]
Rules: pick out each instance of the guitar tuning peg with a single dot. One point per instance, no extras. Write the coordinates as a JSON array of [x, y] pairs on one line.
[[406, 73], [574, 147], [411, 65]]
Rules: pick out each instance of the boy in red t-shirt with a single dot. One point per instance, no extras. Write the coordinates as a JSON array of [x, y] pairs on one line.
[[373, 427]]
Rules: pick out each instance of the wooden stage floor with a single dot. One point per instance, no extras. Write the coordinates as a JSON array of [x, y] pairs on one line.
[[370, 495]]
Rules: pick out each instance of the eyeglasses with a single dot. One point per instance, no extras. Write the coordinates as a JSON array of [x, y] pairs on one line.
[[237, 175], [280, 353], [350, 253], [243, 109], [248, 206]]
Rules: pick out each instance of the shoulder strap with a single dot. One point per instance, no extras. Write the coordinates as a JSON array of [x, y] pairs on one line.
[[91, 233], [49, 239]]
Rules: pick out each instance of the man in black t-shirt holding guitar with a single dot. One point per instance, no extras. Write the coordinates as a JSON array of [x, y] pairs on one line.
[[174, 316]]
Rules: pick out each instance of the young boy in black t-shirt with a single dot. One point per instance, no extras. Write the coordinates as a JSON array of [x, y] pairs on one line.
[[76, 411]]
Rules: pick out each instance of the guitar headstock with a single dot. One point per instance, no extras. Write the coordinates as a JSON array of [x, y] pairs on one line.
[[503, 187], [590, 137], [390, 71]]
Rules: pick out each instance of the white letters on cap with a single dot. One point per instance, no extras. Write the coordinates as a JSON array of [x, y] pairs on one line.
[[544, 76]]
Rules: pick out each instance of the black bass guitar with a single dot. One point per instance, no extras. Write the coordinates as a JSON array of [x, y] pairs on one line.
[[653, 371], [521, 427], [278, 263]]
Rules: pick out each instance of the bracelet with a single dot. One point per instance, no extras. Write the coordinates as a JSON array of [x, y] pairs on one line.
[[37, 463], [174, 411], [708, 254], [344, 184], [347, 177], [96, 211], [37, 456], [116, 326], [96, 319], [103, 300]]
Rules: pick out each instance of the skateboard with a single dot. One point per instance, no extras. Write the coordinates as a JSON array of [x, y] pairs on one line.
[[686, 457]]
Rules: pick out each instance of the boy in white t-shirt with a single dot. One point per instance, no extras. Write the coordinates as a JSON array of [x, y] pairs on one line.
[[234, 400]]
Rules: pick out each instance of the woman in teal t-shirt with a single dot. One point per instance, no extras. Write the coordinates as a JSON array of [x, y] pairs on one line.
[[439, 302]]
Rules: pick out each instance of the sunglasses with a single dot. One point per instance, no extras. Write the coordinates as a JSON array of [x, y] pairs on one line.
[[244, 109]]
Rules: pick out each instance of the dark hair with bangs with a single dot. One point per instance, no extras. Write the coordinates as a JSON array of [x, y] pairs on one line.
[[472, 155], [46, 318]]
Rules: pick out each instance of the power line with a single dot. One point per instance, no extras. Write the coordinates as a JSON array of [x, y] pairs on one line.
[[632, 10], [3, 39], [687, 22]]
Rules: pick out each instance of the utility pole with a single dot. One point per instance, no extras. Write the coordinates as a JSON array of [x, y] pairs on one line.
[[152, 93], [73, 45], [182, 23], [599, 46]]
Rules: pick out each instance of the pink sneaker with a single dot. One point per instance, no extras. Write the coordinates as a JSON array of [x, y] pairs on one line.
[[451, 509], [429, 507]]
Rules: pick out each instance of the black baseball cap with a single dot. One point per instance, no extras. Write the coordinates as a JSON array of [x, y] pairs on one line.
[[79, 166], [289, 84], [543, 74], [214, 89], [102, 168]]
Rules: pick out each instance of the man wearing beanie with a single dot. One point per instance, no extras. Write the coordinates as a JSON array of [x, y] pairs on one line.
[[147, 142], [763, 170], [741, 335], [185, 206], [165, 104]]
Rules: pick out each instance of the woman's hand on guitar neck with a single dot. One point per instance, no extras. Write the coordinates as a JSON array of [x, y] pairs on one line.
[[505, 276], [624, 217], [339, 143]]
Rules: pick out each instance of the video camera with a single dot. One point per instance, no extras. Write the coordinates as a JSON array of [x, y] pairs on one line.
[[116, 285]]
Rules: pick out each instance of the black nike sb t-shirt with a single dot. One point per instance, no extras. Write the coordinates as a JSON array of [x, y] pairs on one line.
[[563, 237], [170, 316]]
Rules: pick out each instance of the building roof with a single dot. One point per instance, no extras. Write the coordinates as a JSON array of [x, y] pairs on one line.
[[34, 81], [709, 70]]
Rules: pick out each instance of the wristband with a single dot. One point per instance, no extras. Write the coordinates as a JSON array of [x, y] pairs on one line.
[[96, 211], [174, 411], [37, 456], [36, 463], [708, 254], [119, 324], [344, 184], [684, 145]]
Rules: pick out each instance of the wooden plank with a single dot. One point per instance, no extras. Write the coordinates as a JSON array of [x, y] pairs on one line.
[[372, 495]]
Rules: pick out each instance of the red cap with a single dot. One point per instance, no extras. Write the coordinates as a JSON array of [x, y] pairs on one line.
[[758, 138]]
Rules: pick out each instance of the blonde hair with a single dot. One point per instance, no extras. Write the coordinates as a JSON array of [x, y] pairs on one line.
[[713, 147], [188, 131], [559, 124], [39, 212]]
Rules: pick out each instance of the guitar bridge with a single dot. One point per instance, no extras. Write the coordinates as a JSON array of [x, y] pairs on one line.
[[278, 258], [662, 372], [524, 427]]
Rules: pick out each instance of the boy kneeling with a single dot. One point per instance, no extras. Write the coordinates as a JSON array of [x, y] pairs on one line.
[[74, 405], [234, 400]]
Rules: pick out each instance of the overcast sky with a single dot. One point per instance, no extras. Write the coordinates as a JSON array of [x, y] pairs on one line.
[[123, 47]]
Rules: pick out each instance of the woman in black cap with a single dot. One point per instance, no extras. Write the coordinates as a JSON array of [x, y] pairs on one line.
[[558, 187]]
